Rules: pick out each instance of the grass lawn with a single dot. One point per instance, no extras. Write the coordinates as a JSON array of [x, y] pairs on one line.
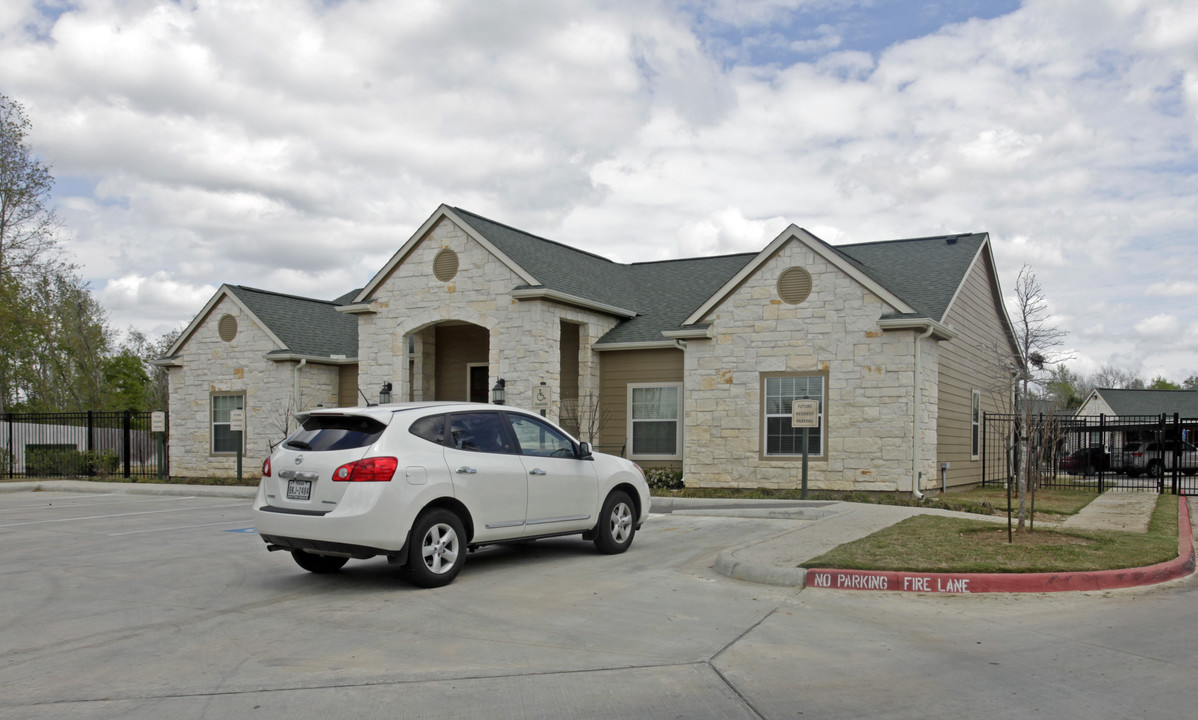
[[929, 543], [981, 501]]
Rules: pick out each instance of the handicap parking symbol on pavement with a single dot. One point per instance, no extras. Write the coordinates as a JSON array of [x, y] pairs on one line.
[[244, 530]]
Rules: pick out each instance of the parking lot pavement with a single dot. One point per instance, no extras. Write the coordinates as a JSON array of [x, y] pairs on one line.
[[136, 606], [140, 607]]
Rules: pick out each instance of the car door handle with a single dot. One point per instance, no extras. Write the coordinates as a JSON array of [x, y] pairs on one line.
[[467, 471], [537, 471]]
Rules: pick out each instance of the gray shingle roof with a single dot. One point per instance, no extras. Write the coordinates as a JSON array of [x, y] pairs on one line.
[[559, 267], [924, 272], [662, 294], [306, 326], [1151, 402]]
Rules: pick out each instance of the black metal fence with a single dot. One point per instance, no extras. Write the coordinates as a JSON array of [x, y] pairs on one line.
[[1154, 452], [82, 444]]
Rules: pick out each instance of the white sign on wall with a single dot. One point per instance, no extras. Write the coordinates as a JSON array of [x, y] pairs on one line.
[[237, 420], [158, 421]]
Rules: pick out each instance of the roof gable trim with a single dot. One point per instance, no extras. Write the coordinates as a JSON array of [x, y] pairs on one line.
[[444, 212], [201, 317], [542, 293], [797, 234]]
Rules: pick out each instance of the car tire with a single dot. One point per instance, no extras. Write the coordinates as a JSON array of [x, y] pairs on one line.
[[319, 564], [436, 549], [1156, 469], [617, 524]]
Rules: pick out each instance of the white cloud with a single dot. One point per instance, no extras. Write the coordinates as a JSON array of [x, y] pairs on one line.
[[297, 145], [1172, 288]]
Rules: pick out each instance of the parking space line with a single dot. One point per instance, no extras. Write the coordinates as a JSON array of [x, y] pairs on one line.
[[178, 527], [116, 515]]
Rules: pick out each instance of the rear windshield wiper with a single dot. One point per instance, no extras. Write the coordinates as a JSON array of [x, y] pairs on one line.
[[299, 444]]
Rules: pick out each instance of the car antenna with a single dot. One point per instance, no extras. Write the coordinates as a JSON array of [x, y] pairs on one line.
[[368, 403]]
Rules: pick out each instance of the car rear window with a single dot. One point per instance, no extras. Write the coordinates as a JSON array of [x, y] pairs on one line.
[[335, 432]]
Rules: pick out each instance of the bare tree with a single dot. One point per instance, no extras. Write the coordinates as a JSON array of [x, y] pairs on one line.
[[1038, 341], [585, 416], [1109, 376]]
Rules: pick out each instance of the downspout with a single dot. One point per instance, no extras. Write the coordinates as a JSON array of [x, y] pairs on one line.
[[917, 446], [681, 345], [295, 391]]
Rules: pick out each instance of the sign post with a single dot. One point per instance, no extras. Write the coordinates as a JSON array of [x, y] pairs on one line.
[[542, 398], [804, 414], [237, 425], [158, 427]]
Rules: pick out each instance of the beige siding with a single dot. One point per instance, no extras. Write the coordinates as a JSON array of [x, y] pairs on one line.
[[616, 371], [969, 362], [458, 346], [347, 386]]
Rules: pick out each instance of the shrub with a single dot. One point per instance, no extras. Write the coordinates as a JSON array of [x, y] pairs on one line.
[[57, 460], [664, 478]]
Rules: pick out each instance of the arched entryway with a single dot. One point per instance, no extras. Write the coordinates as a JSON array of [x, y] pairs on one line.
[[450, 361]]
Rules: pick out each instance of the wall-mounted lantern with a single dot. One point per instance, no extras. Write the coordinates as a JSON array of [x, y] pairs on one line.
[[499, 392], [385, 394]]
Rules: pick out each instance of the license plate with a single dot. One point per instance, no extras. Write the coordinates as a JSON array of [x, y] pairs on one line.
[[299, 489]]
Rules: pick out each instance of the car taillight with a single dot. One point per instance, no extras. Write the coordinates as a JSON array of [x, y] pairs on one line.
[[266, 467], [376, 469]]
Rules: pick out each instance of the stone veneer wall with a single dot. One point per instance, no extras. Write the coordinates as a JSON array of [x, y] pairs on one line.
[[212, 365], [870, 384], [525, 335]]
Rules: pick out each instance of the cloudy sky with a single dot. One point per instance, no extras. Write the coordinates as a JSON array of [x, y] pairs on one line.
[[294, 145]]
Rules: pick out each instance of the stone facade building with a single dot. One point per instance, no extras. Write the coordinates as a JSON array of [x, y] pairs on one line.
[[687, 363]]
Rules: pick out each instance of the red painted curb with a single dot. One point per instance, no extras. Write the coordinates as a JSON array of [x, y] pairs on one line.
[[1181, 566]]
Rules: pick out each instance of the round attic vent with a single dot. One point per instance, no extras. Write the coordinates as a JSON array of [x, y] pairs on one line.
[[794, 285], [445, 265], [227, 328]]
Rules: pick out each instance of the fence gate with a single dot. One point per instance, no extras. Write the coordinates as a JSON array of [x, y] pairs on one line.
[[1153, 452], [83, 444]]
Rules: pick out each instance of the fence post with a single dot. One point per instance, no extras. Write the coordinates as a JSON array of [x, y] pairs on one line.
[[12, 451], [1102, 435], [91, 427], [1177, 455], [127, 440], [985, 427]]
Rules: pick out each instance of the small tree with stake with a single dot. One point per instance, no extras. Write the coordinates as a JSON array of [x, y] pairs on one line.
[[1037, 340]]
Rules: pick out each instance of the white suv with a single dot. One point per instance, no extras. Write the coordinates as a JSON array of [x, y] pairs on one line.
[[1155, 459], [423, 482]]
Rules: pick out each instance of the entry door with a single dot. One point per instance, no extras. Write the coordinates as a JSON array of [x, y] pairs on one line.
[[478, 390]]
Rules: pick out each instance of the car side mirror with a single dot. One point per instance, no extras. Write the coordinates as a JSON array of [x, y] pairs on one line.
[[585, 452]]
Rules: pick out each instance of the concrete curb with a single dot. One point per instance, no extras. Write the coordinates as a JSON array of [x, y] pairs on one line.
[[166, 489], [1181, 566], [727, 564]]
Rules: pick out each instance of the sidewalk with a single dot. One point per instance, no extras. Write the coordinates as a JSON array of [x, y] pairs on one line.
[[775, 561]]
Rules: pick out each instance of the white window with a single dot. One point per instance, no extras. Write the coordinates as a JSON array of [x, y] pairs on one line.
[[778, 394], [224, 440], [975, 426], [654, 430]]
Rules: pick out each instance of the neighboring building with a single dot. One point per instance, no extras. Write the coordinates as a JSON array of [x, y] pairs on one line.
[[691, 363], [1134, 415], [1139, 403], [265, 353]]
